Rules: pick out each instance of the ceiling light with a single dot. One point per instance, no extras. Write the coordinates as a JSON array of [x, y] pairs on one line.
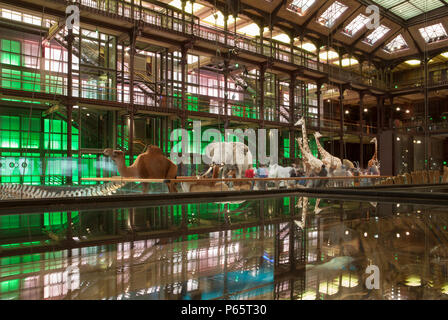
[[413, 62], [219, 21], [444, 54], [398, 109], [308, 46], [346, 112], [282, 38], [328, 55], [252, 30], [365, 110], [178, 5], [348, 61], [407, 111]]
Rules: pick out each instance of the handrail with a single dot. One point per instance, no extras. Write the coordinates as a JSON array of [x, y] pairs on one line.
[[193, 26]]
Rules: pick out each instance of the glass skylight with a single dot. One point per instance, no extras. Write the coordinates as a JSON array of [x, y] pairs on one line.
[[376, 35], [357, 24], [300, 6], [407, 9], [433, 33], [397, 44], [333, 12]]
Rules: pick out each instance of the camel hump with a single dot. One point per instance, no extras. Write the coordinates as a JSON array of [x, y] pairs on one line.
[[153, 149]]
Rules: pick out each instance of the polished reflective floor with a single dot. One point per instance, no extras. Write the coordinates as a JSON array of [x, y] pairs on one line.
[[271, 248]]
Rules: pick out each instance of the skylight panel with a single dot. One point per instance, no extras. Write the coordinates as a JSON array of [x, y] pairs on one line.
[[397, 44], [357, 24], [376, 35], [406, 10], [300, 6], [333, 12], [427, 5], [433, 33], [387, 4]]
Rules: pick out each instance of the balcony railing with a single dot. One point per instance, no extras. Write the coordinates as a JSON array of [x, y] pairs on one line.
[[172, 19]]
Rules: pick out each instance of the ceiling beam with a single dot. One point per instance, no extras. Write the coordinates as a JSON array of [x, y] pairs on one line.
[[415, 44], [432, 15], [273, 15]]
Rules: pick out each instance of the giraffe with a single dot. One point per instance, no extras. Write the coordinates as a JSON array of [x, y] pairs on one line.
[[310, 162], [329, 160], [374, 159]]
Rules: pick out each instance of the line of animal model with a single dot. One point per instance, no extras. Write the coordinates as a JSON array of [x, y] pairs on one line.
[[327, 158], [206, 186], [238, 185], [14, 191], [230, 153], [151, 164]]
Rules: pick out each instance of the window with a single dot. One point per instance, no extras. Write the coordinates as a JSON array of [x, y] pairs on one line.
[[397, 44], [376, 35], [433, 33], [300, 6], [357, 24], [333, 12], [10, 50]]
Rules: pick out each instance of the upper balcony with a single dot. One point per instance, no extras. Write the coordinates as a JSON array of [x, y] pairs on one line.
[[168, 26]]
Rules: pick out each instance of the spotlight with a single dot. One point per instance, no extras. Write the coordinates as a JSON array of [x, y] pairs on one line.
[[365, 109], [346, 112], [407, 111], [398, 109]]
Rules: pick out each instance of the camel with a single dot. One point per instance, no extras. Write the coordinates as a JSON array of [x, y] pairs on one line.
[[374, 157], [230, 153], [329, 160], [310, 162], [202, 186], [151, 164]]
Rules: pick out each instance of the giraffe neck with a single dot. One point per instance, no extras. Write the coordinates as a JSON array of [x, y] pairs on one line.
[[321, 149], [376, 150], [305, 138]]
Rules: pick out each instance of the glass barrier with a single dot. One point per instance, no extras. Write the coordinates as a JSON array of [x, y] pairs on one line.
[[107, 186]]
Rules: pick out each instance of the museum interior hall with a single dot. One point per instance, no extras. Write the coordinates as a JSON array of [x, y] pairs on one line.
[[223, 149]]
